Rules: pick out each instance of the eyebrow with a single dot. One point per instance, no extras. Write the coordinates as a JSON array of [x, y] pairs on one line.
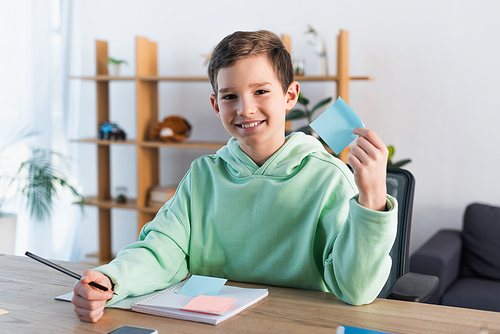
[[257, 84]]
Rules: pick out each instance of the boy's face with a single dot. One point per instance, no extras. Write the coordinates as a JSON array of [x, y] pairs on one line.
[[251, 105]]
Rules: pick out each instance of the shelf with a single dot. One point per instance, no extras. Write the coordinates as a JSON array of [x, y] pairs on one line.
[[185, 144], [141, 78], [104, 142], [182, 145], [177, 79], [103, 78], [130, 204], [327, 78], [93, 258], [362, 78], [197, 78]]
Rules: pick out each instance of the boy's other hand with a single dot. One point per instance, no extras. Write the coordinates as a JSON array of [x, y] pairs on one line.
[[88, 302], [368, 159]]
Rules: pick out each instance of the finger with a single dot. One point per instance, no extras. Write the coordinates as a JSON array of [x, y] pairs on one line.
[[371, 136], [84, 303], [374, 152], [367, 147], [90, 293], [359, 154], [363, 150], [354, 162], [89, 316], [95, 276]]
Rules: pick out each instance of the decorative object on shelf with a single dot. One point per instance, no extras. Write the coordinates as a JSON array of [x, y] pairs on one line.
[[173, 128], [319, 47], [36, 179], [158, 195], [116, 65], [397, 164], [111, 131], [298, 67], [306, 113], [121, 194]]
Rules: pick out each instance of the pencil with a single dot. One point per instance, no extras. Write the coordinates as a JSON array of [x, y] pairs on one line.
[[64, 270]]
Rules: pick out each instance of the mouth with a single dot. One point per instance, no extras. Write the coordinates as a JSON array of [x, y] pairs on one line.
[[249, 125]]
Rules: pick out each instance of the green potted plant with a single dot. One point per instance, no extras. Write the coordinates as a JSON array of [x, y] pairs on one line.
[[37, 180], [116, 65]]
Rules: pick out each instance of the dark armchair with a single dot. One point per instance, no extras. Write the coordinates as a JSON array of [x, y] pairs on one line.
[[467, 262]]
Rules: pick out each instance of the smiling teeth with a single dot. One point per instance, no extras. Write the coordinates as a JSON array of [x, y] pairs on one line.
[[250, 125]]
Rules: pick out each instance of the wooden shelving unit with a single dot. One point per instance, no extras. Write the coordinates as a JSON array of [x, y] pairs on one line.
[[146, 81]]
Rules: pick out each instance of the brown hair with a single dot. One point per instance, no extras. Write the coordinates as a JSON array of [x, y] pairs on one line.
[[243, 44]]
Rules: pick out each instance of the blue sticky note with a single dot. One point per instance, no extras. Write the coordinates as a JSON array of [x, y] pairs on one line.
[[335, 125], [202, 285]]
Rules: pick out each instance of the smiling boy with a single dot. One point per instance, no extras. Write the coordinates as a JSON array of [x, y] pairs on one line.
[[265, 208]]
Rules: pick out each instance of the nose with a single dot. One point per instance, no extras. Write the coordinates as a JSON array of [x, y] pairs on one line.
[[246, 107]]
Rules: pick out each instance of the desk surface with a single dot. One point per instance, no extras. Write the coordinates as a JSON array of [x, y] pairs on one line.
[[27, 291]]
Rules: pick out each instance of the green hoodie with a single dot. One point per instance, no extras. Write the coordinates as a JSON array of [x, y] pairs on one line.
[[292, 222]]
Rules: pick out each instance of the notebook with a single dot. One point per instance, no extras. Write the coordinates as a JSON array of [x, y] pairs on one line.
[[169, 303]]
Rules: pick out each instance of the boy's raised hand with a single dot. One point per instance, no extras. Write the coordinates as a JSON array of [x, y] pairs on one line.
[[88, 302], [368, 159]]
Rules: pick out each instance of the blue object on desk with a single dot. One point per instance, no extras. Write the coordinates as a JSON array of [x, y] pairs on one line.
[[357, 330], [335, 125], [202, 285]]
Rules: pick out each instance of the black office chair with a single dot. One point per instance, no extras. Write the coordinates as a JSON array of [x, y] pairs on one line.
[[401, 284]]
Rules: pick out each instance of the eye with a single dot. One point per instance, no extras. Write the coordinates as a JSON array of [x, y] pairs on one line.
[[228, 97], [261, 91]]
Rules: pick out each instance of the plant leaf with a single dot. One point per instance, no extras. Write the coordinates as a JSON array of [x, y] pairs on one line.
[[295, 114], [401, 163], [116, 61], [302, 100], [19, 136], [43, 181], [391, 152], [320, 104]]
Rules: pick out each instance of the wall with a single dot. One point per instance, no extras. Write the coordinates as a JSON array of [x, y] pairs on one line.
[[435, 65]]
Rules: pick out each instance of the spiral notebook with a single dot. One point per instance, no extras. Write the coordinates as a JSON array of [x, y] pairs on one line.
[[169, 303]]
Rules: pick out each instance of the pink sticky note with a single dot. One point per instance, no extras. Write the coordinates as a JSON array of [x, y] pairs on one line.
[[208, 304]]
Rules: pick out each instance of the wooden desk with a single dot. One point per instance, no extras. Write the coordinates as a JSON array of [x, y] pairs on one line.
[[27, 291]]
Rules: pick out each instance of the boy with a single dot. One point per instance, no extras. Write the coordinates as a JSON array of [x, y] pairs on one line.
[[266, 208]]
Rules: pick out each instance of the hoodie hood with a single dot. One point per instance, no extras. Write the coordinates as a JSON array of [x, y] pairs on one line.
[[286, 161]]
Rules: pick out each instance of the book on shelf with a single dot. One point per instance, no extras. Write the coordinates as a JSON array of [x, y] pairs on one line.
[[160, 194], [202, 308]]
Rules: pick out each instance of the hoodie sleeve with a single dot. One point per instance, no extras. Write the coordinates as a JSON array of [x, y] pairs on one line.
[[357, 262], [159, 258]]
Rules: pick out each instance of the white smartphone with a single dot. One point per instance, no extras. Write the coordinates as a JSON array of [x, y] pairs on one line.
[[133, 330]]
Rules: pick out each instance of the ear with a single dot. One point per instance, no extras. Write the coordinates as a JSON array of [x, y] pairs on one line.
[[215, 104], [292, 95]]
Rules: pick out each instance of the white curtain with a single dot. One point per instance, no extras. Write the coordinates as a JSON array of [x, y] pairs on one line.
[[35, 39]]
